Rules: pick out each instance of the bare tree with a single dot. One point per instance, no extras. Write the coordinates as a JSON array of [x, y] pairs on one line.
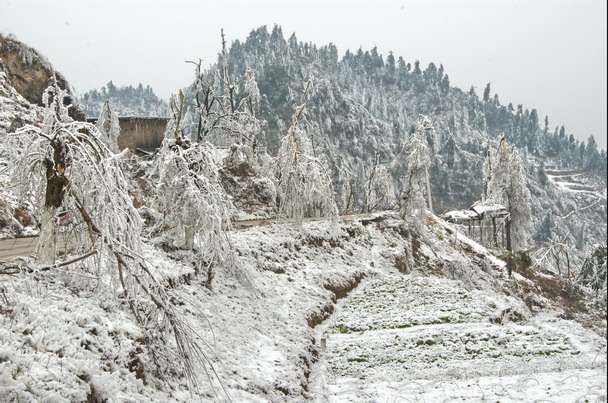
[[558, 252], [220, 116]]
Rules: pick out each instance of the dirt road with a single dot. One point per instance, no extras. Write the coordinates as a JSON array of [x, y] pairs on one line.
[[13, 247]]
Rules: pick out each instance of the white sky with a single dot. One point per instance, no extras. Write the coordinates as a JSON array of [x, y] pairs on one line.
[[544, 54]]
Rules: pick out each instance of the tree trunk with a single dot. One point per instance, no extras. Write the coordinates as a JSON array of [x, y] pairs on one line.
[[428, 190], [508, 229], [189, 238], [46, 247]]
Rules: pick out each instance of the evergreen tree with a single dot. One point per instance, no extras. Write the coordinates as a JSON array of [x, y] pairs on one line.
[[506, 185], [592, 157], [486, 93]]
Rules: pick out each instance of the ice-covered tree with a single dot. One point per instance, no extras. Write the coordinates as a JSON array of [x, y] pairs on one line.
[[109, 126], [190, 196], [222, 115], [64, 164], [416, 179], [593, 270], [505, 181], [556, 255], [379, 189], [305, 186]]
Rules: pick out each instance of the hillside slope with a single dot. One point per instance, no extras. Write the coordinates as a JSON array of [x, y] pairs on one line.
[[363, 108]]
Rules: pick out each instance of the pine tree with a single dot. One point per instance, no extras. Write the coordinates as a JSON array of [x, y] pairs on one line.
[[486, 93]]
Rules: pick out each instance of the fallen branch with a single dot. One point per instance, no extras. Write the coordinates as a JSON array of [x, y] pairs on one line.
[[68, 262]]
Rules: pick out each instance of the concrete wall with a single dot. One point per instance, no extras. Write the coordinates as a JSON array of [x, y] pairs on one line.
[[141, 132], [146, 133]]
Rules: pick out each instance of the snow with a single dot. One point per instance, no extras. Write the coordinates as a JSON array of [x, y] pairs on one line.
[[362, 310], [460, 216], [421, 336]]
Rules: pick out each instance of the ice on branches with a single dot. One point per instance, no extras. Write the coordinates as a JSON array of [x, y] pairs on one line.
[[416, 179], [305, 187], [191, 198], [63, 163]]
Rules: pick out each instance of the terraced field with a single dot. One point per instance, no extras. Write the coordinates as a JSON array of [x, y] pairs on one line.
[[410, 338]]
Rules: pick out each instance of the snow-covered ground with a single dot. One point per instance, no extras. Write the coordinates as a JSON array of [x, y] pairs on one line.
[[270, 332], [576, 182], [414, 338]]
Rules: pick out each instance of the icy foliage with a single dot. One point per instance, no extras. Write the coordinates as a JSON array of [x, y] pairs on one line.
[[506, 184], [64, 164], [109, 126], [305, 187], [191, 199], [416, 178]]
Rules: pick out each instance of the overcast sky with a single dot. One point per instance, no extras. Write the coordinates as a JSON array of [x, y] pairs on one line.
[[543, 54]]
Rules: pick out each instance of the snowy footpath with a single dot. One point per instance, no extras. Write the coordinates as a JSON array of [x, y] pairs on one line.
[[408, 338]]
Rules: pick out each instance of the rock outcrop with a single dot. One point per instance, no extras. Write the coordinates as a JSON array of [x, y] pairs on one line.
[[30, 73]]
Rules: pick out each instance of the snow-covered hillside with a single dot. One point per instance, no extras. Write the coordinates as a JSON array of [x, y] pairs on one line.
[[362, 308]]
